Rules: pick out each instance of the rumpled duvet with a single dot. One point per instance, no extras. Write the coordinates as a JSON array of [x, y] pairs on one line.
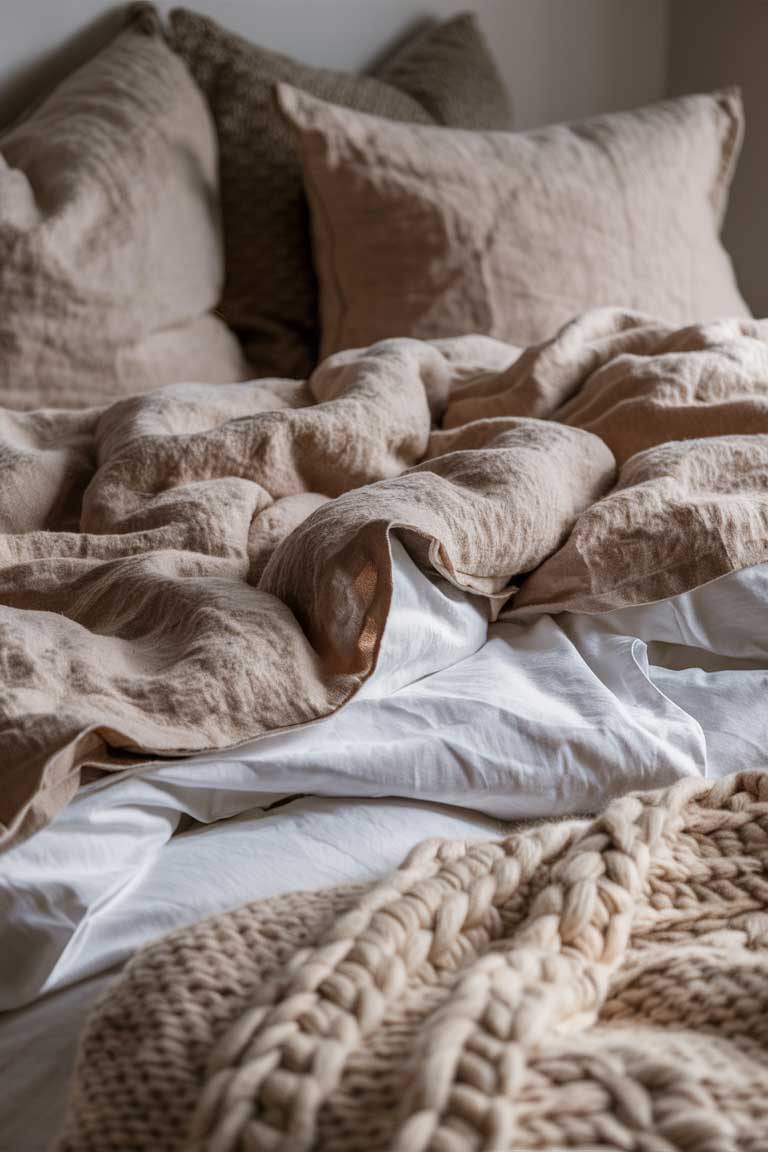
[[188, 569]]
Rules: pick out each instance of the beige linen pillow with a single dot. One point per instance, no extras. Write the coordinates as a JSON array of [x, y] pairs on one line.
[[444, 75], [110, 237], [427, 232]]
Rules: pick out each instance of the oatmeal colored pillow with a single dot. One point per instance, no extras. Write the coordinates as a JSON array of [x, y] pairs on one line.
[[444, 75], [427, 232], [110, 238]]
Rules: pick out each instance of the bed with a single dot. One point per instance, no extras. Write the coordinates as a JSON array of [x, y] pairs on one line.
[[383, 630]]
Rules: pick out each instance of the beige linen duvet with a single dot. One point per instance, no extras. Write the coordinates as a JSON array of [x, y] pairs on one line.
[[188, 569]]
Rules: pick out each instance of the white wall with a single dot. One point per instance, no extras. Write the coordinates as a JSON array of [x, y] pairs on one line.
[[711, 44], [562, 58]]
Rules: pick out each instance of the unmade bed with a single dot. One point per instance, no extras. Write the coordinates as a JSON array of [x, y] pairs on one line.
[[383, 630]]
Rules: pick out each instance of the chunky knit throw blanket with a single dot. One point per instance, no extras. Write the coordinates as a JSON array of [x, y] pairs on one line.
[[591, 985]]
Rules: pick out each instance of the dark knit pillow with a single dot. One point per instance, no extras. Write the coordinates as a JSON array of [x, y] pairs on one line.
[[444, 75]]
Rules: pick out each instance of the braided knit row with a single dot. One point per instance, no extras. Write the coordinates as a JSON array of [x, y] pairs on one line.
[[272, 1072], [291, 1047]]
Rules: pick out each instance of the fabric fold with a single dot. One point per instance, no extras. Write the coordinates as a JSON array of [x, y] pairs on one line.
[[206, 564]]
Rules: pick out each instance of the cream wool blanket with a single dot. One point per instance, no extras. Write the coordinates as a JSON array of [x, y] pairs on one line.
[[589, 985], [186, 570]]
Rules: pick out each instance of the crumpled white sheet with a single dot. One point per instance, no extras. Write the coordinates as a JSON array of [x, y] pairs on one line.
[[546, 716]]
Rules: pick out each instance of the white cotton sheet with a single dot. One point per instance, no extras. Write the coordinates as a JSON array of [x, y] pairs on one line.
[[707, 653], [548, 716]]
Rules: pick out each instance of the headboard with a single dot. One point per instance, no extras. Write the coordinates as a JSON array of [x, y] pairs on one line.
[[562, 58]]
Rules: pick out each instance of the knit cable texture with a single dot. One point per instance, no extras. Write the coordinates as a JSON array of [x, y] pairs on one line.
[[592, 985]]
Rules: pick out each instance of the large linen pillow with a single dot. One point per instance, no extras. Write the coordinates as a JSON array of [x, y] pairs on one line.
[[444, 75], [427, 232], [110, 237]]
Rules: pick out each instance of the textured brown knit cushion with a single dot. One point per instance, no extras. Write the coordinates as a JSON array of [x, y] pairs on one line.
[[428, 233], [111, 256], [444, 76], [588, 985]]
